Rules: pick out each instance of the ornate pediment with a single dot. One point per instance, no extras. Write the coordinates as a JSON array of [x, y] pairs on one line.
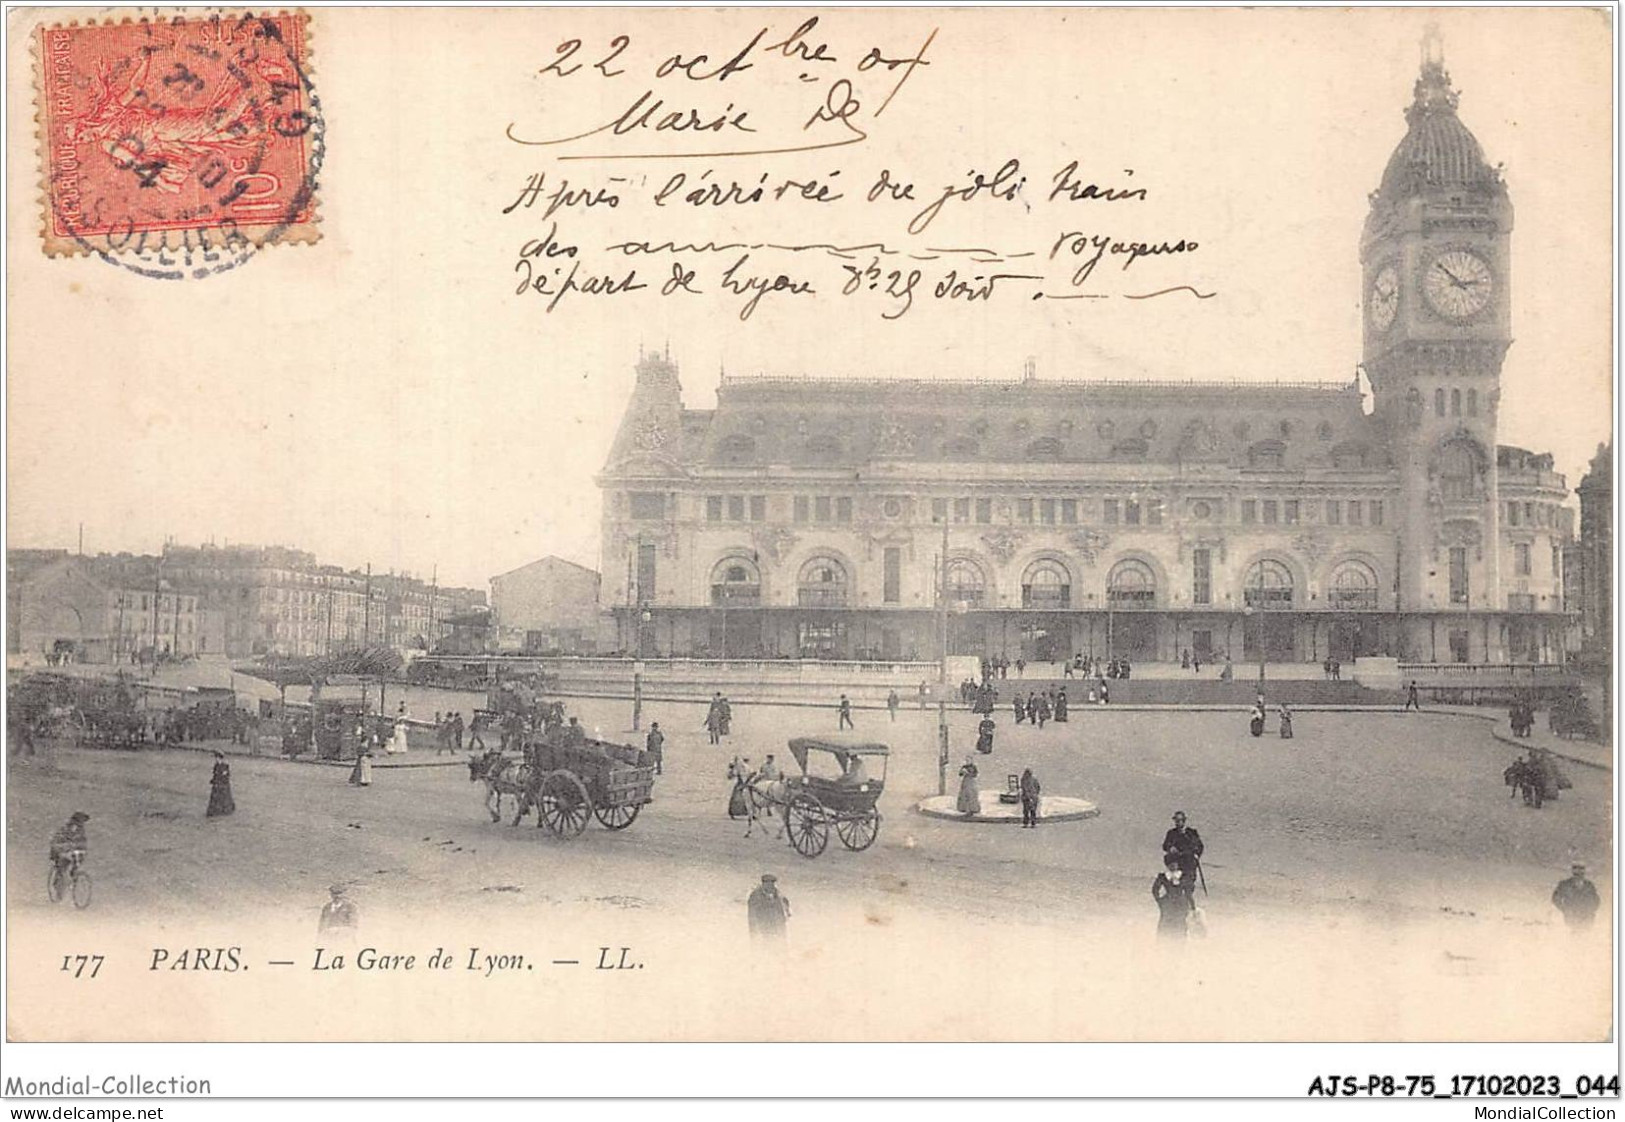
[[895, 439], [1003, 544], [775, 542], [1089, 544], [1198, 439], [1313, 546]]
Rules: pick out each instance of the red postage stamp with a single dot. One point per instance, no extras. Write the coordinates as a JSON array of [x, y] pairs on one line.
[[184, 133]]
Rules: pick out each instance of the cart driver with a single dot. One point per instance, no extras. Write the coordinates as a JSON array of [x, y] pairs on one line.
[[770, 770]]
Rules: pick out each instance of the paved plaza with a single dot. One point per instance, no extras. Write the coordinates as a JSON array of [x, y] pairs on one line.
[[1367, 834]]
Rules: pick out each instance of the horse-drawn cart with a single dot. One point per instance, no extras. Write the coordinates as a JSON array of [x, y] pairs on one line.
[[848, 801], [568, 783], [593, 778]]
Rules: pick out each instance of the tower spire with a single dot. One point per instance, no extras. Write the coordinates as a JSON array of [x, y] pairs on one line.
[[1433, 92], [1432, 46]]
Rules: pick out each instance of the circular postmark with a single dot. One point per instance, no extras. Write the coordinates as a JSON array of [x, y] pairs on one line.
[[177, 149]]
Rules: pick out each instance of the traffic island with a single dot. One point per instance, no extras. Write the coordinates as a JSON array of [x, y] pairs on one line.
[[1051, 808]]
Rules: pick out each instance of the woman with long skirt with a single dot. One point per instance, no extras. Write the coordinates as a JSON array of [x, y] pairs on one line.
[[220, 800], [970, 799]]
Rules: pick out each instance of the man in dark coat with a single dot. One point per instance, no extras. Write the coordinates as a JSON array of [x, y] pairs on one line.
[[1029, 799], [655, 746], [768, 910], [1576, 898], [1184, 844]]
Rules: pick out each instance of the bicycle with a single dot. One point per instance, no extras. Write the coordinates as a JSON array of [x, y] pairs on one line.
[[69, 876]]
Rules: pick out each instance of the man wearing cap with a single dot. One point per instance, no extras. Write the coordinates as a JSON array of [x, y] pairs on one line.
[[1185, 845], [339, 915], [1576, 898], [768, 910]]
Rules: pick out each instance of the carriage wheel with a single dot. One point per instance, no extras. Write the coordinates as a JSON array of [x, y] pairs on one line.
[[805, 823], [617, 817], [858, 834], [565, 805]]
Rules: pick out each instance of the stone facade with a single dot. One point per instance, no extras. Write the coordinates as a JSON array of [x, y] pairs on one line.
[[1040, 518]]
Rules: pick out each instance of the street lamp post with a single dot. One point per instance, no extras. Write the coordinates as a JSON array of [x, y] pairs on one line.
[[942, 606]]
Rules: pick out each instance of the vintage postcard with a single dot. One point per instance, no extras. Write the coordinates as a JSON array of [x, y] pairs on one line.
[[648, 525]]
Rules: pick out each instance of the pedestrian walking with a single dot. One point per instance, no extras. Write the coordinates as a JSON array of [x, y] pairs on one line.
[[1174, 900], [845, 721], [984, 736], [220, 801], [361, 773], [892, 702], [655, 744], [769, 910], [1184, 845], [1020, 705], [476, 742], [726, 712], [1411, 699], [1576, 898], [1029, 799], [1286, 722], [457, 733], [713, 720]]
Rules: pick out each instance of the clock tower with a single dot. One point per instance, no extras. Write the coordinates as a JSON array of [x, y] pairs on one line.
[[1436, 261]]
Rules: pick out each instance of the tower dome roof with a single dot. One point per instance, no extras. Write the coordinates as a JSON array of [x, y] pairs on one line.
[[1438, 151]]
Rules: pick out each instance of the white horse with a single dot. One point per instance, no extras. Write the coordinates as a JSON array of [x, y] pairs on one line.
[[764, 798], [503, 776]]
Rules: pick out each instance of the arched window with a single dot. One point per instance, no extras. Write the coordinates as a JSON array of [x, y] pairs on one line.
[[1047, 448], [966, 584], [1046, 584], [1268, 585], [822, 583], [1354, 586], [1132, 584], [1455, 403], [736, 582], [1438, 402], [736, 449], [1458, 472]]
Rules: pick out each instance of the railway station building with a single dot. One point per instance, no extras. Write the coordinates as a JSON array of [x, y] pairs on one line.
[[882, 519]]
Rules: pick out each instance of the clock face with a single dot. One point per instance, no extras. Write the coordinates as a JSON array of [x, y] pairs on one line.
[[1384, 302], [1458, 284]]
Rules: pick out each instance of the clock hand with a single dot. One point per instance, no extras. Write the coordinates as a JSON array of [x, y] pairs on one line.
[[1453, 278]]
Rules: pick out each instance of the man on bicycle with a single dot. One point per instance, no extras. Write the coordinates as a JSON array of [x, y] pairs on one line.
[[69, 840]]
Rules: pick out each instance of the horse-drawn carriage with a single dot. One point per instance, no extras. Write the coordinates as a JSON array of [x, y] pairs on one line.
[[568, 783], [814, 802]]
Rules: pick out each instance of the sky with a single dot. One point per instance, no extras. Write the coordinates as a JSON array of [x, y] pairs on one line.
[[387, 396]]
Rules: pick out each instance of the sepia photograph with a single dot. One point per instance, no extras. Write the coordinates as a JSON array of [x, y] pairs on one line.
[[760, 525]]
